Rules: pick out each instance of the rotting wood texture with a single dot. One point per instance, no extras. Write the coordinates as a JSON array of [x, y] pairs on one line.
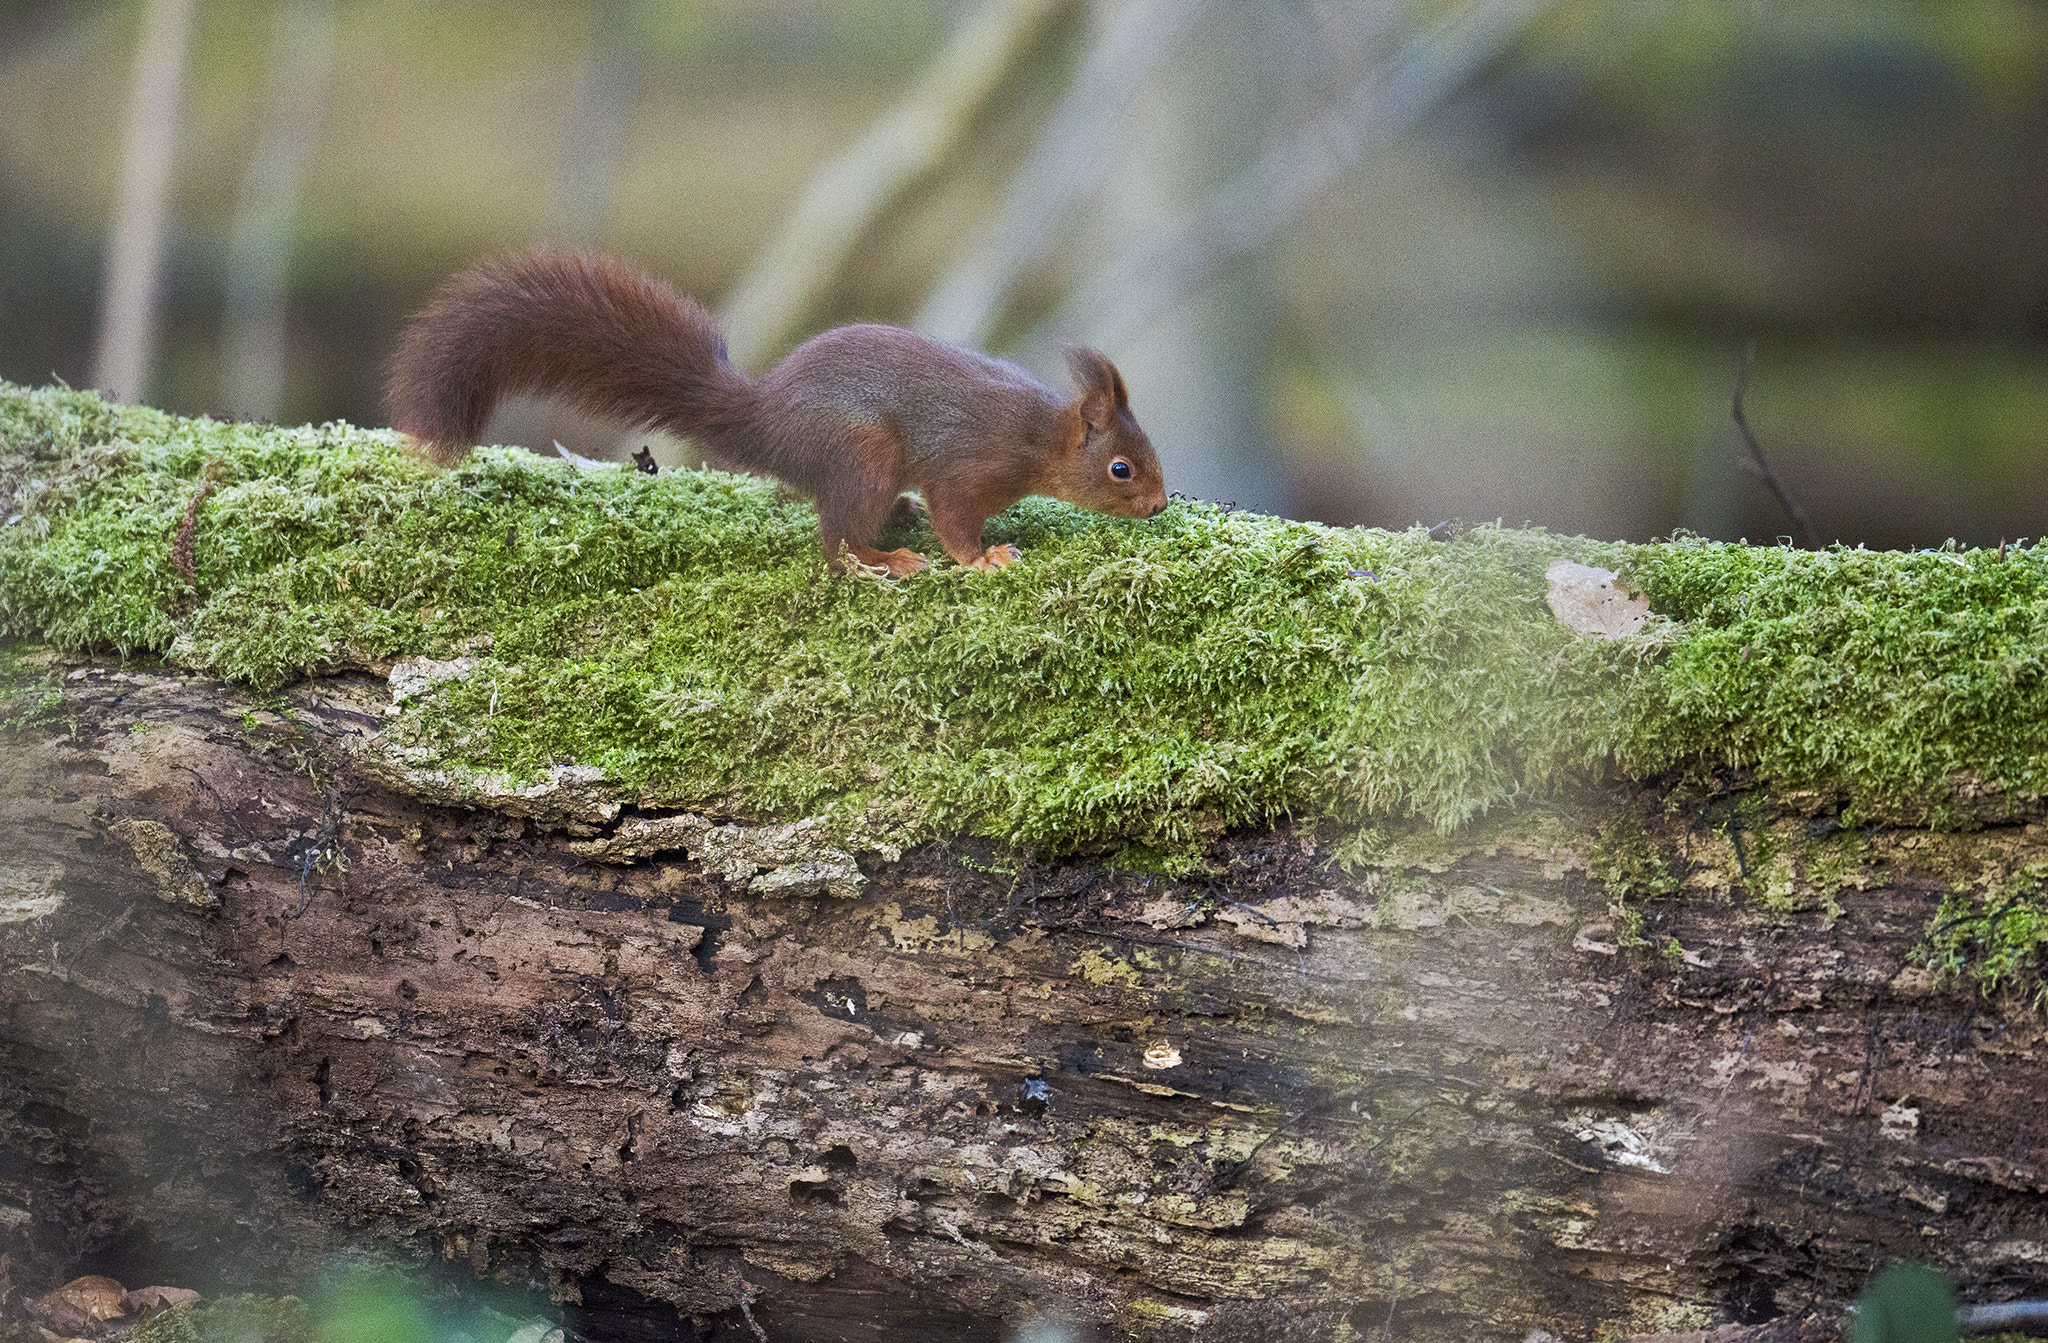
[[261, 1001]]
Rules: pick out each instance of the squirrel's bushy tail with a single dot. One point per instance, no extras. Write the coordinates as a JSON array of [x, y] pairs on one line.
[[612, 341]]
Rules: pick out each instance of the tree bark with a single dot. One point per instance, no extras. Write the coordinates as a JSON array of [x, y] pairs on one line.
[[266, 996]]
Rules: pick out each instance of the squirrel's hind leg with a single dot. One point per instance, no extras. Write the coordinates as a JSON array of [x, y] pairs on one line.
[[897, 563], [958, 523], [852, 514]]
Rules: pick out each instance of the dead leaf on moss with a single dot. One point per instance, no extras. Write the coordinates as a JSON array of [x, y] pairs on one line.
[[1584, 598], [76, 1306], [150, 1300]]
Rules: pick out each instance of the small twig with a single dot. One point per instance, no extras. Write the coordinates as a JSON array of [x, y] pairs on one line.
[[218, 800], [181, 547], [1990, 920], [318, 854], [1540, 1150], [1735, 840], [1300, 961], [1229, 1177], [1757, 462], [2000, 1317], [747, 1310], [1258, 914]]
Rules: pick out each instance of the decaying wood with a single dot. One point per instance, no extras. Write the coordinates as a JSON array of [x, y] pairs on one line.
[[264, 999]]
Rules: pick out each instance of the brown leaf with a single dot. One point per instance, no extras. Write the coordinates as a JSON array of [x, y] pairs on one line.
[[149, 1300], [73, 1308], [1585, 599]]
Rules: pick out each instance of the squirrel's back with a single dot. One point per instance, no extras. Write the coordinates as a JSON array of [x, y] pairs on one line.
[[852, 418], [610, 340]]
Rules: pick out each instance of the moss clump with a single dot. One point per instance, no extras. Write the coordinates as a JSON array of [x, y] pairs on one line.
[[1997, 936], [1879, 675], [1626, 859], [1135, 684], [26, 696], [266, 1319]]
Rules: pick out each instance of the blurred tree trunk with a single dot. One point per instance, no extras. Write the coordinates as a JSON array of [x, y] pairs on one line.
[[601, 101], [128, 302], [1188, 222], [598, 113], [263, 997], [266, 210]]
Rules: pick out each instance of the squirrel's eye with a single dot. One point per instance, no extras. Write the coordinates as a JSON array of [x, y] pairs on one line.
[[1120, 469]]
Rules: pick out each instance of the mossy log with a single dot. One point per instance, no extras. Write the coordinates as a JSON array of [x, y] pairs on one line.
[[626, 925]]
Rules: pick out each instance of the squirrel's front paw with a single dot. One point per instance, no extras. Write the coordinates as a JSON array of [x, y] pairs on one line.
[[997, 557]]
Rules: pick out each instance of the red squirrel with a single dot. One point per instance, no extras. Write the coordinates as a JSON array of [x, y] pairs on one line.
[[852, 418]]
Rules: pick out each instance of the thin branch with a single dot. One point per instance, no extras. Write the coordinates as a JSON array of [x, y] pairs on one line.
[[849, 194], [1177, 257], [1760, 467], [1065, 166], [747, 1309], [2002, 1317]]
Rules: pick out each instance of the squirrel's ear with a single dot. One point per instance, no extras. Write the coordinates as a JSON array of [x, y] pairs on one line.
[[1102, 387]]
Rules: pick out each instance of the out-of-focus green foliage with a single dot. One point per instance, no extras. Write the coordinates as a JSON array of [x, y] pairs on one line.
[[1907, 1303], [1527, 307]]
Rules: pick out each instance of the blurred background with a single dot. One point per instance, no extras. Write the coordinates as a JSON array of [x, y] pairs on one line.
[[1364, 261]]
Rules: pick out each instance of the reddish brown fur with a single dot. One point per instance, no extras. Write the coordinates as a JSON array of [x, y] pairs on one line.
[[852, 418]]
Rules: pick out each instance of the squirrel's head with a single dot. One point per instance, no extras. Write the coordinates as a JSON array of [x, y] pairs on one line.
[[1109, 465]]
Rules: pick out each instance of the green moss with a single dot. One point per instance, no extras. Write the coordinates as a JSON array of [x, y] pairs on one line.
[[270, 1319], [27, 696], [1877, 675], [1997, 936], [1838, 861], [1136, 685], [1627, 859]]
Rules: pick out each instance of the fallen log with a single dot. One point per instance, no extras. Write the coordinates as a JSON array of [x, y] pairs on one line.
[[306, 962]]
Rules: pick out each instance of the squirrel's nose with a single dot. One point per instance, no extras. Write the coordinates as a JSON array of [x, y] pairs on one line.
[[1157, 509]]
